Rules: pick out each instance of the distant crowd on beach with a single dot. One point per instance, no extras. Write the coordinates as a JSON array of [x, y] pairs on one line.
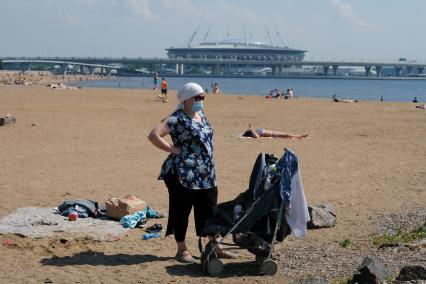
[[42, 78], [164, 86], [284, 94]]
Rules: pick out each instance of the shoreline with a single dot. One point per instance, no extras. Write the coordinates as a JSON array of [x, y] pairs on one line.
[[358, 92], [285, 77]]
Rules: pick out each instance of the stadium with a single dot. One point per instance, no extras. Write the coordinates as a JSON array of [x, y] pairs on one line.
[[245, 48]]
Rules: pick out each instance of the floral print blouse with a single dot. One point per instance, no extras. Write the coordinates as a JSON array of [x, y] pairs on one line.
[[195, 165]]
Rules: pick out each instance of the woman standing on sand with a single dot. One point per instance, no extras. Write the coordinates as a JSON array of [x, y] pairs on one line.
[[189, 170]]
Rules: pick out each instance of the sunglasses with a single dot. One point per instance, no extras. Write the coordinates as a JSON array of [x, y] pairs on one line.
[[199, 98]]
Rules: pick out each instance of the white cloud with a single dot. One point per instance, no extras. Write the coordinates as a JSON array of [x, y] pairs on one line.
[[346, 10], [141, 8]]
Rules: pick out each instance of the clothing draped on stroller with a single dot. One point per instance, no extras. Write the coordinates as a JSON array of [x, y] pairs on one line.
[[256, 218]]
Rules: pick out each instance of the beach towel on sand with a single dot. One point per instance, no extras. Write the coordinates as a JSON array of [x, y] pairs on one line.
[[40, 222]]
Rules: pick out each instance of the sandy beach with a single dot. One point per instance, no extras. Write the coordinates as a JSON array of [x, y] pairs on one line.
[[368, 159]]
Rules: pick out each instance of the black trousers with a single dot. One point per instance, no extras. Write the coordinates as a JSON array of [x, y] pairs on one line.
[[181, 201]]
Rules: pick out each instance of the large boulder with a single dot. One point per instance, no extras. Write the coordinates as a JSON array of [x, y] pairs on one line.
[[371, 271], [412, 272], [322, 216]]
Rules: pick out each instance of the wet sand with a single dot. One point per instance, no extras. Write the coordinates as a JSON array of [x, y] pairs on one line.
[[367, 159]]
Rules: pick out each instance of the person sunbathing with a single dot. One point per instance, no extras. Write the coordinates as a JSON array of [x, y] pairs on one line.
[[273, 94], [421, 106], [262, 132], [337, 100]]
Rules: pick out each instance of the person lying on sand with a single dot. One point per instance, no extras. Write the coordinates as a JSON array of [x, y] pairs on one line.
[[274, 94], [262, 132], [421, 106], [337, 100]]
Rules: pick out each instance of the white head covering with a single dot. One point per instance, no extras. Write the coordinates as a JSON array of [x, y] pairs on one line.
[[188, 91]]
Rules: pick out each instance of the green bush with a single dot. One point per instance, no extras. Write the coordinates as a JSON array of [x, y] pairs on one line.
[[345, 243]]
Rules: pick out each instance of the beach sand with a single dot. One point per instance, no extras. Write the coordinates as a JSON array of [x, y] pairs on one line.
[[367, 159]]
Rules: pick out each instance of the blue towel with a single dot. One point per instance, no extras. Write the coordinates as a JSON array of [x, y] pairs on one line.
[[150, 213], [130, 221]]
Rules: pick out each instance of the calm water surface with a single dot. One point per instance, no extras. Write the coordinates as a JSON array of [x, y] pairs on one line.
[[371, 90]]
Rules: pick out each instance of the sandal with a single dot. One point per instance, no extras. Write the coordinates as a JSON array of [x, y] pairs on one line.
[[184, 258], [156, 228]]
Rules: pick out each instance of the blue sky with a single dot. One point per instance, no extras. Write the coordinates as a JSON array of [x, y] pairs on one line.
[[327, 29]]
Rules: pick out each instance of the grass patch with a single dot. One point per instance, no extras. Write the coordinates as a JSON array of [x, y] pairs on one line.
[[401, 237], [345, 243]]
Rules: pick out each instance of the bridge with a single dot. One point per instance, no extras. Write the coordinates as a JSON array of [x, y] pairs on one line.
[[217, 66], [64, 65]]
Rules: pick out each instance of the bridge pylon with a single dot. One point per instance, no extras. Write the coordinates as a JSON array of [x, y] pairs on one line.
[[335, 67], [91, 70], [378, 71], [398, 71], [367, 70], [325, 68]]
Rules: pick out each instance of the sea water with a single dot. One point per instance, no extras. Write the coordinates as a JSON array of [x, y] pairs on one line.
[[358, 89]]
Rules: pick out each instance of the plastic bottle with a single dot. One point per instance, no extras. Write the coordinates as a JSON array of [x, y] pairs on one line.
[[272, 169], [148, 236], [270, 172], [238, 210], [267, 183]]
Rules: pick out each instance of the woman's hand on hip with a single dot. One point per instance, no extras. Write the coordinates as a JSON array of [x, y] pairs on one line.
[[176, 150]]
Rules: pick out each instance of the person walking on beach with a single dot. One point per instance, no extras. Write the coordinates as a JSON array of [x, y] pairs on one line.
[[155, 78], [164, 86], [216, 90], [290, 93], [189, 170]]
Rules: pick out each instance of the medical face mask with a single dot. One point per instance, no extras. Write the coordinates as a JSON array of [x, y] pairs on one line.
[[197, 106]]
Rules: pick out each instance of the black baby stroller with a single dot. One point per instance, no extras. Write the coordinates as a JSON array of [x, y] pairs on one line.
[[256, 218]]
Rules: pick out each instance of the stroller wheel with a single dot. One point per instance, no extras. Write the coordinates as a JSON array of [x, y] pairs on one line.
[[214, 267], [269, 267], [260, 259], [204, 265]]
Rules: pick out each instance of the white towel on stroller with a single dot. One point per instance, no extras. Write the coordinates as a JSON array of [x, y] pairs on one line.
[[298, 215]]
